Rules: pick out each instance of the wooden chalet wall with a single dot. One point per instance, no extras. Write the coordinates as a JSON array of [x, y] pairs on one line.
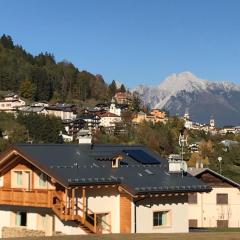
[[20, 164], [125, 213]]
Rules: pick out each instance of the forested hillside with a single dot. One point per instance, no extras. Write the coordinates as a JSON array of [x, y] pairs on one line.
[[41, 78]]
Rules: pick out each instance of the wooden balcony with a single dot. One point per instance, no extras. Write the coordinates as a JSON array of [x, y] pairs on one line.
[[64, 208], [21, 197]]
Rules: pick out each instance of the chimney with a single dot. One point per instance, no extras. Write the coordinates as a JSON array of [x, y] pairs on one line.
[[116, 160]]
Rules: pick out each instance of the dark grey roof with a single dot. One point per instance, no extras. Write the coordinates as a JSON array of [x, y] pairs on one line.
[[62, 107], [85, 165], [32, 109]]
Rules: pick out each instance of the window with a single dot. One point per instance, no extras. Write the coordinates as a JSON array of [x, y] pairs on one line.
[[160, 218], [193, 223], [222, 223], [42, 180], [19, 177], [192, 198], [21, 219], [222, 198]]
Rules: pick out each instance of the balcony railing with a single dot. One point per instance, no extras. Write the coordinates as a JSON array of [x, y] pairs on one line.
[[21, 197], [55, 200]]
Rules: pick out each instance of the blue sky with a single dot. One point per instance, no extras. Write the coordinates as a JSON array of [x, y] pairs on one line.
[[133, 41]]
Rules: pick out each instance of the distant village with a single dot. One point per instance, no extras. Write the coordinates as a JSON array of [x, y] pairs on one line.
[[210, 199], [80, 124]]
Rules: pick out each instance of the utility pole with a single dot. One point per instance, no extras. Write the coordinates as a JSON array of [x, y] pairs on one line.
[[182, 143]]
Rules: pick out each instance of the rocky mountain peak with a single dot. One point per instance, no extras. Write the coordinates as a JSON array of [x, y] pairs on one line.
[[182, 81], [203, 98]]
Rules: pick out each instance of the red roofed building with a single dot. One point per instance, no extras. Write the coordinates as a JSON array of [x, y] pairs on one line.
[[123, 98]]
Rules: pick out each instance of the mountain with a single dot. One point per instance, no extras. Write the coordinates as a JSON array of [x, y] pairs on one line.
[[202, 99]]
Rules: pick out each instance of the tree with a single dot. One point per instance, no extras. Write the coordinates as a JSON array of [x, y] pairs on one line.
[[112, 89], [62, 79], [6, 41], [122, 88], [136, 102], [197, 158], [206, 148], [27, 89], [42, 129]]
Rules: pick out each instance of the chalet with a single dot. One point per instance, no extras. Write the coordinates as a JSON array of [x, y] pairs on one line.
[[218, 208], [81, 189], [108, 120], [123, 98], [140, 117], [93, 111], [33, 109], [92, 120], [158, 113], [72, 127], [227, 130], [63, 111], [11, 103]]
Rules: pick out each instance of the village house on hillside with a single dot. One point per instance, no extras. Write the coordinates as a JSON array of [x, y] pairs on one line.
[[218, 208], [81, 189], [109, 120], [158, 113], [63, 111], [155, 116], [114, 109], [33, 109], [11, 103], [123, 98]]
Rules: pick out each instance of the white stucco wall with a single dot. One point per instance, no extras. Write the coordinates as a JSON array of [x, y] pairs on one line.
[[178, 207], [5, 220], [207, 212], [32, 221], [68, 228], [105, 200], [8, 219]]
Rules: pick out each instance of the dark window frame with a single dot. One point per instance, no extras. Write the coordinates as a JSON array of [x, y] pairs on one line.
[[193, 198], [221, 198], [158, 220]]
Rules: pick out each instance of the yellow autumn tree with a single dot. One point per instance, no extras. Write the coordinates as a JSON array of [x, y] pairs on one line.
[[195, 158]]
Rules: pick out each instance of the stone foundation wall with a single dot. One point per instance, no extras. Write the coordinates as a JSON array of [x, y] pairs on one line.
[[8, 232]]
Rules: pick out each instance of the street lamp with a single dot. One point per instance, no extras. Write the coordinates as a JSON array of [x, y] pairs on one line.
[[220, 165]]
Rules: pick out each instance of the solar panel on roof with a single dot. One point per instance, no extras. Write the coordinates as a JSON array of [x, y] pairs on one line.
[[141, 156]]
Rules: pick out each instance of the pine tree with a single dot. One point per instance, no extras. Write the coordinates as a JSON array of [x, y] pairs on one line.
[[6, 41], [122, 88], [112, 89]]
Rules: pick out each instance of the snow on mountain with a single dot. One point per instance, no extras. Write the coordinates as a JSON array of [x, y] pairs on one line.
[[182, 91]]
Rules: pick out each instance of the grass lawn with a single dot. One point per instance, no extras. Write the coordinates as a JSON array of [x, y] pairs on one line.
[[188, 236]]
